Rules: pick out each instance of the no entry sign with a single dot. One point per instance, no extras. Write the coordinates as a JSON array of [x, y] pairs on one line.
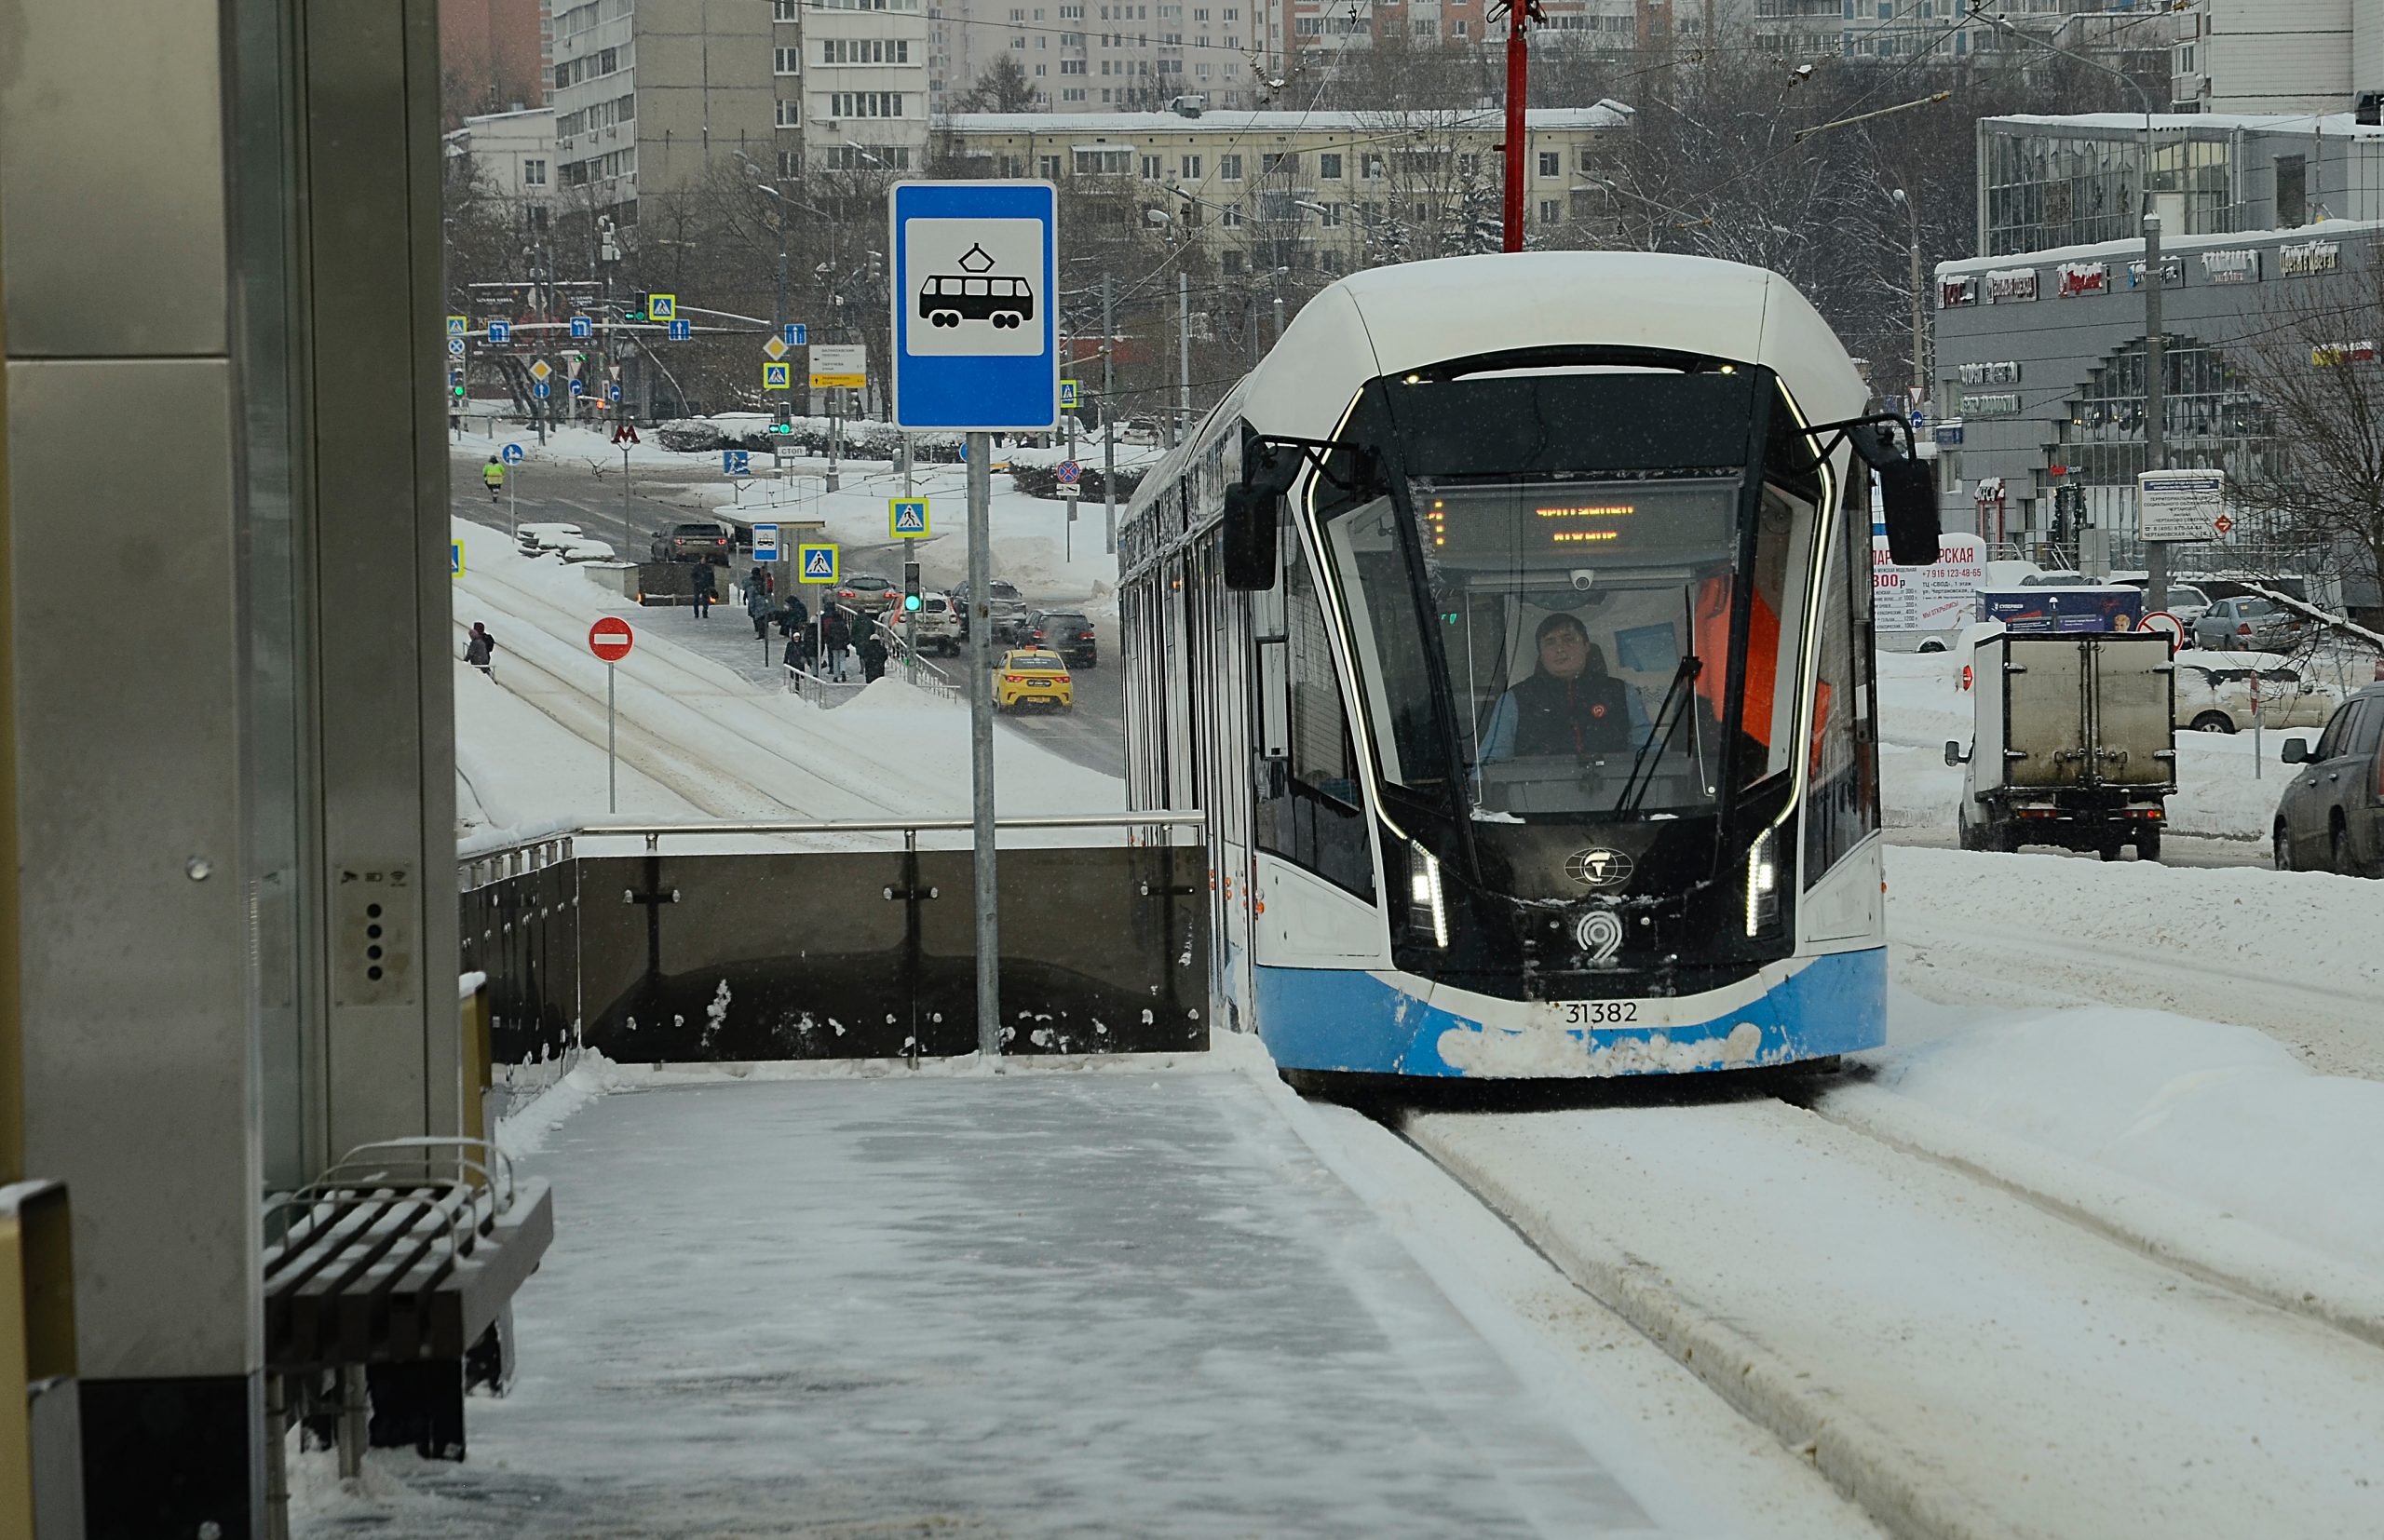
[[611, 639]]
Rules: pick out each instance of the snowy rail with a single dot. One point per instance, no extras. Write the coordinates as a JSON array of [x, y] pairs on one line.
[[1928, 1333]]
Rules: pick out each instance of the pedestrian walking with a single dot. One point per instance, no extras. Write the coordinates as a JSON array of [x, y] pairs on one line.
[[701, 588], [480, 650], [794, 616], [873, 659], [759, 607], [763, 579], [835, 641], [493, 477]]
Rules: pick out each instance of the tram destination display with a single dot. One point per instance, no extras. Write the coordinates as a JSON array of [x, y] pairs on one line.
[[1599, 524]]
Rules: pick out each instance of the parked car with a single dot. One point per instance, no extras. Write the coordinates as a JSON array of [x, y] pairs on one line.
[[703, 542], [1031, 677], [1066, 632], [2187, 602], [2331, 817], [2249, 623], [868, 593], [1002, 600], [938, 624], [2215, 691]]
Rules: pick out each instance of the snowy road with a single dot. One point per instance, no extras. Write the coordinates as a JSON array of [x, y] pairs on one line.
[[1960, 1360]]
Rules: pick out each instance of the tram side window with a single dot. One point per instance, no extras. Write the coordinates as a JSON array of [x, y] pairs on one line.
[[1315, 815], [1835, 811]]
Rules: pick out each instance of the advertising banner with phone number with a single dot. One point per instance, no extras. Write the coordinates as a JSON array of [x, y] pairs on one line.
[[1942, 597]]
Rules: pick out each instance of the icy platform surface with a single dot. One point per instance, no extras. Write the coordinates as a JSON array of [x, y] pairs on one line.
[[1039, 1305]]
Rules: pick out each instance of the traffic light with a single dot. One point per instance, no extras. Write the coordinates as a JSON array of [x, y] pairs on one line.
[[911, 586], [637, 309], [785, 423], [455, 383]]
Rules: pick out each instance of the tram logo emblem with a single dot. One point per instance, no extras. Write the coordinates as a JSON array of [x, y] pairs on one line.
[[1600, 868], [1599, 934]]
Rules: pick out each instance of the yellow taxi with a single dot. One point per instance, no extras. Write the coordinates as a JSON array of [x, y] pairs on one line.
[[1030, 676]]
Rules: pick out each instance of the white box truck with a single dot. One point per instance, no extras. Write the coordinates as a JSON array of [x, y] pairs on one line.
[[2074, 743]]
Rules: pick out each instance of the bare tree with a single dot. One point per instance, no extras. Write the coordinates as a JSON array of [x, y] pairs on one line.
[[2311, 364]]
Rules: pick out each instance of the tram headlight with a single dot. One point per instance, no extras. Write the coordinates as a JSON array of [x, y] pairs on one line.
[[1763, 885], [1425, 908]]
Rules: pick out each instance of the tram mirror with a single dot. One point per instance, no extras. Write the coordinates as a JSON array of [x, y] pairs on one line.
[[1251, 517], [1908, 497]]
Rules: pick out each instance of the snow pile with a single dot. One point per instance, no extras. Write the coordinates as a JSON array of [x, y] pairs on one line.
[[2219, 1115], [523, 1130], [2243, 925]]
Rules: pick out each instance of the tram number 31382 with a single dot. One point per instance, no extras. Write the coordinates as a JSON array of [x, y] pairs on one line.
[[1600, 1013]]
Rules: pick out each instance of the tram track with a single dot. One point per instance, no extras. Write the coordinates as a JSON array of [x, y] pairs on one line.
[[1967, 1344]]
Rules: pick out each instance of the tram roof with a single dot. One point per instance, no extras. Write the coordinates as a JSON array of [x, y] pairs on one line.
[[1388, 320]]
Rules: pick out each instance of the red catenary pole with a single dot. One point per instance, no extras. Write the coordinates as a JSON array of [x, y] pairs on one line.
[[1518, 17]]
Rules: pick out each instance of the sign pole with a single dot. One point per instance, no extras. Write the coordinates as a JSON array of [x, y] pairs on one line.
[[980, 743], [513, 515], [1108, 425], [612, 751], [629, 537]]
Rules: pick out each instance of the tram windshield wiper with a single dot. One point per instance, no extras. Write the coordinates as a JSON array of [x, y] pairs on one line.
[[1659, 735]]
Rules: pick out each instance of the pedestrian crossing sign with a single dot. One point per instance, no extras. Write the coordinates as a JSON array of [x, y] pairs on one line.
[[662, 307], [454, 559], [816, 563], [909, 516], [1067, 395], [777, 377], [458, 326]]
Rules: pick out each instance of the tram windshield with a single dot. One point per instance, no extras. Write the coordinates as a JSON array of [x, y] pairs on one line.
[[1580, 540]]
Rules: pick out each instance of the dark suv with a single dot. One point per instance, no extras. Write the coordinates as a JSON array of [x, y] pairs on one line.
[[1066, 632], [691, 543], [2330, 819]]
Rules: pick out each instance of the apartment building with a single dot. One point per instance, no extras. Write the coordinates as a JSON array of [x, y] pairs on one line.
[[1092, 56], [494, 56], [2278, 56], [857, 96], [1313, 191], [650, 95], [513, 156]]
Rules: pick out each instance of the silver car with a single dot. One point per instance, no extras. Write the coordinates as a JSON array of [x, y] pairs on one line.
[[2249, 623]]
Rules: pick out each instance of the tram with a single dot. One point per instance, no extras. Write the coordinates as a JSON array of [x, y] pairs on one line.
[[1512, 621]]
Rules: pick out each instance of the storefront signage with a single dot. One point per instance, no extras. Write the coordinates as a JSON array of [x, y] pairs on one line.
[[2230, 267], [2173, 273], [2006, 404], [2308, 261], [2001, 373], [2011, 286], [2327, 355], [1954, 293], [2081, 278]]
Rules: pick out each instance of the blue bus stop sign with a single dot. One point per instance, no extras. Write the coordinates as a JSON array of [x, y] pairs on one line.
[[513, 452], [975, 340]]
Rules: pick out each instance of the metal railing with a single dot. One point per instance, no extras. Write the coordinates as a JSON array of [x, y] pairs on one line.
[[480, 867]]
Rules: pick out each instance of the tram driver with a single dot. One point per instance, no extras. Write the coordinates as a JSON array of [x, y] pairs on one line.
[[1569, 706]]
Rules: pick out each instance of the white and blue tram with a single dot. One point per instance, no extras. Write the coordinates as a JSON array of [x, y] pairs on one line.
[[1513, 620]]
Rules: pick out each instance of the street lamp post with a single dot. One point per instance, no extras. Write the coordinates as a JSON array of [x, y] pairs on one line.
[[1919, 315], [2155, 449]]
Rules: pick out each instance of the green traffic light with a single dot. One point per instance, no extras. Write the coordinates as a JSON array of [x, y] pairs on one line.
[[909, 601]]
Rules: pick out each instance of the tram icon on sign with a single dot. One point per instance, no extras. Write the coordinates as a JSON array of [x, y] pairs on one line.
[[976, 294]]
